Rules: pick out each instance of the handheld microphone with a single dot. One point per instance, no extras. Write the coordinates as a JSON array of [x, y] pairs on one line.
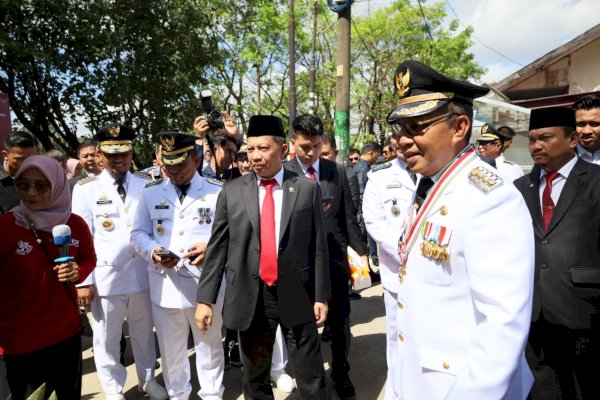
[[62, 237]]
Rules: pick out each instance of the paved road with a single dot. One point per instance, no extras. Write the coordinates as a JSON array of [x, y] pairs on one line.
[[367, 358]]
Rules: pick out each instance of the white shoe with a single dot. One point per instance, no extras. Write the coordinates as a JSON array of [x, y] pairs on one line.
[[116, 396], [284, 382], [153, 390]]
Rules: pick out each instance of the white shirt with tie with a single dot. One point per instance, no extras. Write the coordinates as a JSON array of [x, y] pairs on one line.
[[559, 182]]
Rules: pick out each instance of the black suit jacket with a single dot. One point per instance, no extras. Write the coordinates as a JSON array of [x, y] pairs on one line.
[[234, 249], [9, 197], [567, 255], [338, 209]]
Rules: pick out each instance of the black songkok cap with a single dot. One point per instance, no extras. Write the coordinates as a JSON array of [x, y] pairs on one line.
[[550, 117], [265, 125], [422, 90]]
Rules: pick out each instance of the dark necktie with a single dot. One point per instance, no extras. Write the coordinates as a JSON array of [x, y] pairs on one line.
[[424, 185], [547, 202], [311, 173], [183, 191], [413, 176], [268, 251], [120, 179]]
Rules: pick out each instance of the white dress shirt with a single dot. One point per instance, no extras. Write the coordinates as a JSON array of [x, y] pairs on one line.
[[587, 156], [559, 182], [305, 167]]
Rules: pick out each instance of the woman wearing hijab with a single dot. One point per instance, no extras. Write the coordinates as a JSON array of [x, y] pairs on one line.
[[39, 317], [74, 168]]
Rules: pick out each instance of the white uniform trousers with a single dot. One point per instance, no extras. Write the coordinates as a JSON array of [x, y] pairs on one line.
[[109, 313], [172, 330], [391, 310], [280, 354]]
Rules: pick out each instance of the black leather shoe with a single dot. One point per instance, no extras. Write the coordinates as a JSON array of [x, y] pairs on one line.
[[344, 388], [375, 276], [355, 296], [234, 354]]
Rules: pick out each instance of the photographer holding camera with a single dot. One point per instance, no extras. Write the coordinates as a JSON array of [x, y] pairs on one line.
[[219, 132]]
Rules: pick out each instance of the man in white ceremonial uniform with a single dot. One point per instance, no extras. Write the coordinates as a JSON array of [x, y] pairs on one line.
[[490, 145], [467, 256], [175, 215], [387, 203], [108, 202]]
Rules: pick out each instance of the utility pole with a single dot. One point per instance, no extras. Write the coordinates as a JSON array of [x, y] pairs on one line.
[[258, 88], [292, 41], [342, 88], [312, 96]]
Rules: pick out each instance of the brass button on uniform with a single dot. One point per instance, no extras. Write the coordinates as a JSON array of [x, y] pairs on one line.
[[126, 210], [401, 337], [129, 225], [400, 305], [446, 365], [444, 210], [181, 216]]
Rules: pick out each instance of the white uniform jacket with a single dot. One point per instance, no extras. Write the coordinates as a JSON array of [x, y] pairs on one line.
[[508, 170], [387, 202], [120, 269], [463, 324], [161, 220]]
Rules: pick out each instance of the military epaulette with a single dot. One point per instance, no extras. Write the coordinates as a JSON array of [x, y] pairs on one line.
[[143, 175], [86, 180], [154, 182], [379, 167], [508, 162], [484, 179], [214, 181]]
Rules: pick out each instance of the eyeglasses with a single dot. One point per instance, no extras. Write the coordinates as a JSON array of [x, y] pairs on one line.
[[418, 127], [485, 144], [24, 186]]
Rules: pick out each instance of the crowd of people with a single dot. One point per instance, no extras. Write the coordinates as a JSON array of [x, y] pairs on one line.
[[490, 276]]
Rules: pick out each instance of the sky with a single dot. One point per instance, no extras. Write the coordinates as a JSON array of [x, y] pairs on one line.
[[518, 31]]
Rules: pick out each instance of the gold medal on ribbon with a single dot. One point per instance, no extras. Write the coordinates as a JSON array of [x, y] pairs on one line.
[[435, 251], [160, 229], [445, 256]]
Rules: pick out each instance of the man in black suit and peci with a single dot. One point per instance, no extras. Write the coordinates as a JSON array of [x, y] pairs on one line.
[[269, 243]]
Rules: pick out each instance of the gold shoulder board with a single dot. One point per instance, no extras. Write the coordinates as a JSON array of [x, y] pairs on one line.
[[484, 179]]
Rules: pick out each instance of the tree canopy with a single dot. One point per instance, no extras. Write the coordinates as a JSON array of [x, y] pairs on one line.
[[68, 63]]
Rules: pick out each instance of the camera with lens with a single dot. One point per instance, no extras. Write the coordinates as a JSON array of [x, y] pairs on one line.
[[213, 117]]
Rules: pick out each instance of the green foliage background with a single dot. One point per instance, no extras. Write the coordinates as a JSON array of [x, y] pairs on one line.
[[64, 63]]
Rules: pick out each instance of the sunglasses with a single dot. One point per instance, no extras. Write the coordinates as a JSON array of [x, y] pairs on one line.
[[414, 128], [485, 144], [353, 158], [24, 186]]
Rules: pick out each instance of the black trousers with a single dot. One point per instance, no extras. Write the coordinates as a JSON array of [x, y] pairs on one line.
[[564, 362], [256, 345], [338, 319], [59, 366]]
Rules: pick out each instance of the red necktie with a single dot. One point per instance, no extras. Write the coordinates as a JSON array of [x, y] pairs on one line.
[[311, 173], [268, 252], [547, 203]]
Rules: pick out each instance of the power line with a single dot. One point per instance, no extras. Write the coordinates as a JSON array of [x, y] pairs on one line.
[[479, 40], [425, 20]]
